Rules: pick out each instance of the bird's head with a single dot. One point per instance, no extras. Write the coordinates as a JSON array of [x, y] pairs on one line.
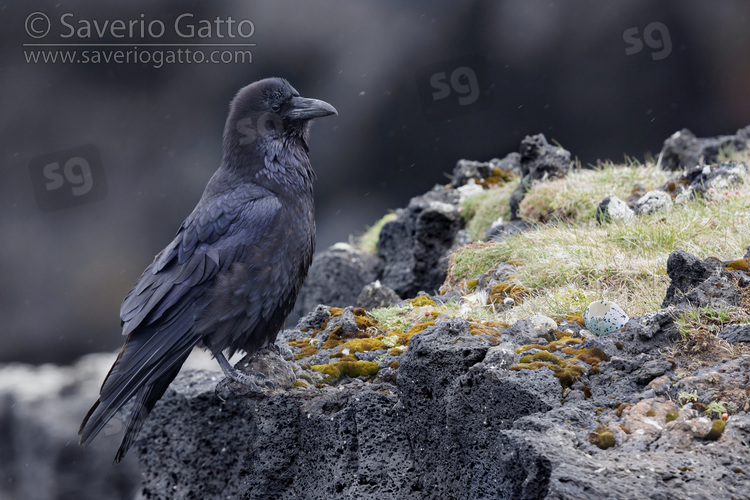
[[269, 114]]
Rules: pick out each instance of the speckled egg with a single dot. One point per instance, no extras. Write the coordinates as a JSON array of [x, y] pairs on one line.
[[603, 317]]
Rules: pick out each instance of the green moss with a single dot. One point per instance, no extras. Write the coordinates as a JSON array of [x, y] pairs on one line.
[[576, 318], [334, 339], [306, 352], [501, 291], [395, 352], [482, 209], [364, 321], [552, 346], [422, 301], [602, 438], [490, 328], [567, 370], [418, 328], [621, 408], [402, 338], [301, 384], [651, 413], [368, 242], [305, 346], [739, 265], [331, 370], [498, 178], [335, 311], [394, 365], [472, 284], [567, 373], [360, 345], [717, 429], [545, 356], [672, 415], [529, 365], [590, 356], [347, 368]]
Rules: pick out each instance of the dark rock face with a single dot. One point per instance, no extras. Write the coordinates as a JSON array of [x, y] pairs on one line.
[[442, 381], [376, 294], [203, 452], [457, 423], [415, 247], [468, 169], [539, 160], [736, 333], [327, 444], [683, 150], [698, 283], [687, 272], [336, 278]]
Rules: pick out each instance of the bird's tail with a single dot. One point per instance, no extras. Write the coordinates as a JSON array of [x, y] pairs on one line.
[[143, 402]]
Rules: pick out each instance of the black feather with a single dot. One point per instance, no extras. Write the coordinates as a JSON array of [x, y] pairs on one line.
[[230, 276]]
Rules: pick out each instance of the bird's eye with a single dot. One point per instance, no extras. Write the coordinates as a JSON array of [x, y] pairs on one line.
[[275, 107]]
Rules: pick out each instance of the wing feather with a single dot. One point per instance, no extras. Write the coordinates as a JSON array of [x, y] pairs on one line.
[[160, 312]]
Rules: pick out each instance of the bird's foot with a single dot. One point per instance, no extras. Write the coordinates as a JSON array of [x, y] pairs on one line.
[[238, 383], [282, 350], [252, 382], [256, 382]]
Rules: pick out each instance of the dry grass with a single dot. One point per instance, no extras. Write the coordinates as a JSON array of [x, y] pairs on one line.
[[577, 196], [484, 208], [566, 265]]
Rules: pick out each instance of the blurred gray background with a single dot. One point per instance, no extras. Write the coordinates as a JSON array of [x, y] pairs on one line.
[[418, 85]]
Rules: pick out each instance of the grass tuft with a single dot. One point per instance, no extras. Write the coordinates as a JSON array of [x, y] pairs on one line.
[[565, 265]]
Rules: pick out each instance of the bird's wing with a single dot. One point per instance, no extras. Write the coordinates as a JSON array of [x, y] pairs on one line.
[[159, 313], [193, 257]]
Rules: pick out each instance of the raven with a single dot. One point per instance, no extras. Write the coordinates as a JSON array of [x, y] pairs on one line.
[[230, 277]]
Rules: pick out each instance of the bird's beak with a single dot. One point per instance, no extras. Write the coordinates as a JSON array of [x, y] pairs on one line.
[[304, 108]]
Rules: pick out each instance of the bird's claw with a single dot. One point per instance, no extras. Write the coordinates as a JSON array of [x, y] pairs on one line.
[[256, 382], [282, 350]]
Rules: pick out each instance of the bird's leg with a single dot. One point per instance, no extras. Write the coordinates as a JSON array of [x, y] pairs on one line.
[[252, 381]]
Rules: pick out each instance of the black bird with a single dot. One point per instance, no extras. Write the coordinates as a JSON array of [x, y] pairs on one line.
[[230, 277]]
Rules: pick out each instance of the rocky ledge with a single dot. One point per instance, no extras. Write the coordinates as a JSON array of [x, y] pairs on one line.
[[442, 405], [417, 375]]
